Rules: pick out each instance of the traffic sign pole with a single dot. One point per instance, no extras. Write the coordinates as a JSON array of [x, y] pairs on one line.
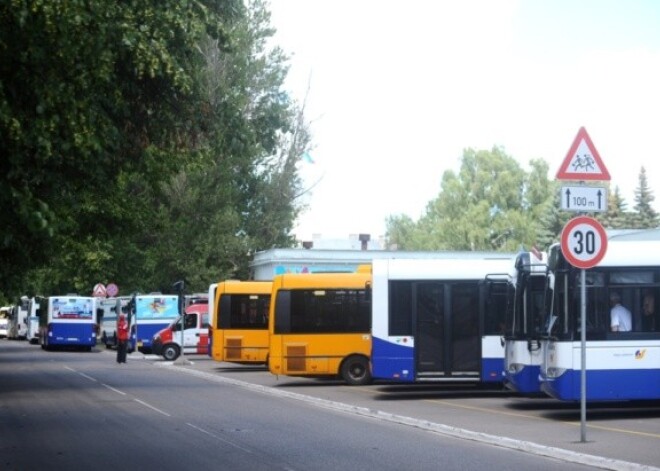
[[583, 355], [583, 239]]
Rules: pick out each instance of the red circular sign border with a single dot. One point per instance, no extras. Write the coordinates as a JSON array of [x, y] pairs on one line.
[[564, 242], [112, 287]]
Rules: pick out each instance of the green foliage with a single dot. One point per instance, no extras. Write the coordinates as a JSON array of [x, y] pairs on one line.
[[616, 216], [491, 204], [102, 107], [646, 217]]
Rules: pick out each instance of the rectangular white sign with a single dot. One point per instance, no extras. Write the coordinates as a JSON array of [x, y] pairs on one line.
[[587, 199]]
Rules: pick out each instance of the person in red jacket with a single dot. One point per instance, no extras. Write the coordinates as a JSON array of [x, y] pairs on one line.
[[122, 338]]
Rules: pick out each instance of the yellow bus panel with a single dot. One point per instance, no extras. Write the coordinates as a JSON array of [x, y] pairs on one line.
[[240, 327]]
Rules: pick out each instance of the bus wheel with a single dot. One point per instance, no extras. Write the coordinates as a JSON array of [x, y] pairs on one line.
[[355, 370], [170, 352]]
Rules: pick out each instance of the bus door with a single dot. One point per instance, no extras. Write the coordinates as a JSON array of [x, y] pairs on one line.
[[429, 304], [447, 341]]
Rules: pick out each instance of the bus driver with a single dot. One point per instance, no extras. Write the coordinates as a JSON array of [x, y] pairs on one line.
[[620, 317]]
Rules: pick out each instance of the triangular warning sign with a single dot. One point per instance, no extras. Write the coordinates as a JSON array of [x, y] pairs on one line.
[[583, 161]]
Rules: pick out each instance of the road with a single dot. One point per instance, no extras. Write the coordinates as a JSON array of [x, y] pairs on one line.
[[72, 410]]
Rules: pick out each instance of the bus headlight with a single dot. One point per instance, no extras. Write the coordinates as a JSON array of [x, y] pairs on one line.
[[553, 372], [515, 368]]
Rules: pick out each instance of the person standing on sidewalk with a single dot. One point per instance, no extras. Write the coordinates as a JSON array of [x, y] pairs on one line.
[[122, 338]]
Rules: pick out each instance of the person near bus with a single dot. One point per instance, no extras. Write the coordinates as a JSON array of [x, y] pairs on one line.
[[122, 338], [649, 320], [620, 316]]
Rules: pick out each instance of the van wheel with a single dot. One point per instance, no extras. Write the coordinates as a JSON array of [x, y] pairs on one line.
[[170, 352], [355, 371]]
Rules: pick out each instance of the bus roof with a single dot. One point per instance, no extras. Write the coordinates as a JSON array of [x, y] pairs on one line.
[[454, 269], [623, 253], [321, 280], [244, 287]]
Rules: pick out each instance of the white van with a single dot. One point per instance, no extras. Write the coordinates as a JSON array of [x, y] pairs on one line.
[[167, 342]]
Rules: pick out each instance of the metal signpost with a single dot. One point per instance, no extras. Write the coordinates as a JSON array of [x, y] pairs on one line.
[[583, 239]]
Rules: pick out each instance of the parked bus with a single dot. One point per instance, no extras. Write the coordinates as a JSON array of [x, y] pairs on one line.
[[239, 327], [211, 300], [108, 310], [167, 342], [17, 327], [619, 365], [34, 312], [525, 323], [147, 314], [440, 320], [5, 314], [320, 325], [70, 321]]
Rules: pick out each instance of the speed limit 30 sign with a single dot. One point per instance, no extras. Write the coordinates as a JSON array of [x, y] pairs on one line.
[[583, 242]]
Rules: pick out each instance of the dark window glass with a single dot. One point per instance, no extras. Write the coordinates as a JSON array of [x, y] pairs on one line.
[[400, 307], [243, 311], [323, 311]]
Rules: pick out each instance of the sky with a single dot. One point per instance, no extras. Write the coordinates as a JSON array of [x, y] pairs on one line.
[[395, 91]]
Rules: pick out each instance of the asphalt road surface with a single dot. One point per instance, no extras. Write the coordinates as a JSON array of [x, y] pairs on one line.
[[77, 410]]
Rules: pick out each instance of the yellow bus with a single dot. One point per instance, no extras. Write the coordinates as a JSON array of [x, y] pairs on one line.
[[320, 324], [238, 330]]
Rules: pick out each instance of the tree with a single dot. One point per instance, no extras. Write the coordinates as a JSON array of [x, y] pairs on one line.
[[241, 197], [90, 92], [551, 219], [491, 204], [616, 216], [646, 216]]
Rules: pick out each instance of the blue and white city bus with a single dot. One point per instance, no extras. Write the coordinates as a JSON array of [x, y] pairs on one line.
[[619, 365], [440, 320], [34, 313], [525, 324], [148, 314], [69, 321]]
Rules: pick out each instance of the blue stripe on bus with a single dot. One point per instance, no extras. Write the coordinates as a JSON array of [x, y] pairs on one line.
[[526, 381], [392, 361], [492, 370], [71, 334], [145, 332], [606, 385]]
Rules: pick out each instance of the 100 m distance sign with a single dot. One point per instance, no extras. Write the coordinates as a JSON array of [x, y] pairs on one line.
[[583, 242]]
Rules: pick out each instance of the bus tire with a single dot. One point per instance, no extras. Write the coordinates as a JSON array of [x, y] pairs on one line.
[[355, 370], [171, 352]]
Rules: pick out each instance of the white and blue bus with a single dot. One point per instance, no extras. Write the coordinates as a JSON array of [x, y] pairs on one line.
[[440, 320], [525, 323], [69, 321], [34, 312], [148, 314], [619, 365], [17, 329], [108, 309]]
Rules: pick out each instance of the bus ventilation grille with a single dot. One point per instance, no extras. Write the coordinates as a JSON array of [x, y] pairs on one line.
[[233, 349], [295, 358]]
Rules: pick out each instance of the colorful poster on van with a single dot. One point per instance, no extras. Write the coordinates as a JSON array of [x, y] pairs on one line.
[[157, 307], [73, 308]]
